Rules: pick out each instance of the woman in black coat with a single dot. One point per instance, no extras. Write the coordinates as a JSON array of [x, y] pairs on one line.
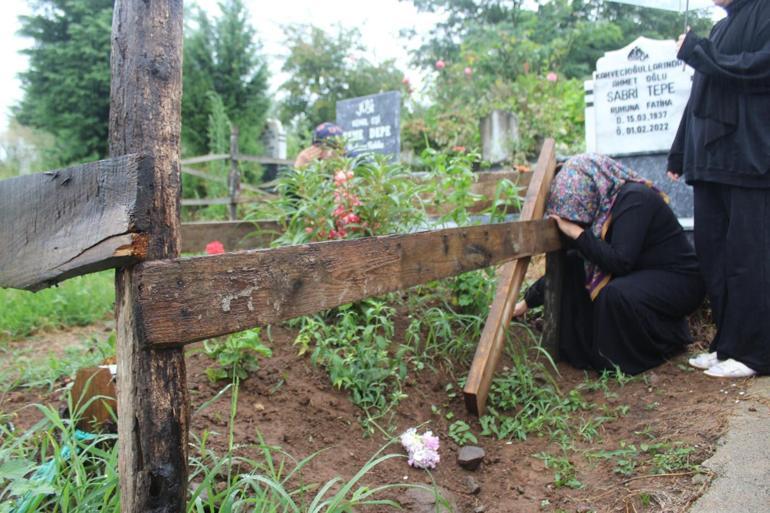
[[632, 277]]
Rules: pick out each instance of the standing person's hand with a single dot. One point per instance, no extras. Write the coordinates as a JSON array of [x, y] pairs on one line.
[[568, 228], [520, 309], [673, 176]]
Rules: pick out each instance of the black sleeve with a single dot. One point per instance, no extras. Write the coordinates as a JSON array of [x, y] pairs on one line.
[[535, 295], [748, 70], [676, 154], [631, 217]]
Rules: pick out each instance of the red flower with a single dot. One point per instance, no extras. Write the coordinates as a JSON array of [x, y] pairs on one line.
[[215, 248], [440, 64]]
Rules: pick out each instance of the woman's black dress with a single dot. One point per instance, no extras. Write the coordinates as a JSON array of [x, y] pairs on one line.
[[639, 318]]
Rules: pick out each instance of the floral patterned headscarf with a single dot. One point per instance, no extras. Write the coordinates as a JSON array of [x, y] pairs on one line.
[[584, 192]]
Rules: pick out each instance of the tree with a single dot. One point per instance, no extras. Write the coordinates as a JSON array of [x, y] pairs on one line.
[[67, 85], [223, 57], [324, 68], [561, 35]]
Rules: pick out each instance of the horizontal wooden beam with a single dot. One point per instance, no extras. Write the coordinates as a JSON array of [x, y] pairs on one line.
[[202, 202], [190, 299], [264, 160], [205, 158], [204, 175], [234, 235], [73, 221]]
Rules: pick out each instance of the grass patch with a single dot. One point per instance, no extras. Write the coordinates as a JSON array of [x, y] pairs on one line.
[[76, 302]]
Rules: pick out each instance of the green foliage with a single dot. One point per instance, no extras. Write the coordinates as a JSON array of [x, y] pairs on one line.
[[326, 67], [461, 433], [355, 349], [564, 470], [76, 302], [508, 50], [236, 356], [67, 84], [223, 56]]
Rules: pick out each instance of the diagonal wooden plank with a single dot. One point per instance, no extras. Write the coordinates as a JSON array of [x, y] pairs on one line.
[[72, 221], [510, 278], [186, 300]]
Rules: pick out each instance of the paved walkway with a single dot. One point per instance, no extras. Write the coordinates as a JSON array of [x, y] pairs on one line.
[[742, 460]]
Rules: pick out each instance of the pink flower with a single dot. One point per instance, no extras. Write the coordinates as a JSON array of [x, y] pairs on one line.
[[458, 149], [340, 177], [350, 218], [468, 72], [440, 64], [405, 81], [308, 230], [215, 248], [552, 77], [422, 449]]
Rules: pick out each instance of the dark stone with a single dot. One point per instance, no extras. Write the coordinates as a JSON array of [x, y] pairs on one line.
[[470, 457], [472, 485], [423, 500]]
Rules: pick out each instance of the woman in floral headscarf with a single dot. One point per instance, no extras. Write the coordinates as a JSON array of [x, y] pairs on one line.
[[632, 276]]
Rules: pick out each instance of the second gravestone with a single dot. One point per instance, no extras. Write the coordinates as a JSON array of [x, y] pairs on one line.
[[372, 124], [633, 107]]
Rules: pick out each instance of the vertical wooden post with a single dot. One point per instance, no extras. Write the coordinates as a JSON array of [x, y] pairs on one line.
[[234, 178], [554, 279], [145, 117], [510, 278]]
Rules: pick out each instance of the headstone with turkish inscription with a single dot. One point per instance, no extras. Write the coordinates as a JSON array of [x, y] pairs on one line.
[[633, 108], [372, 124]]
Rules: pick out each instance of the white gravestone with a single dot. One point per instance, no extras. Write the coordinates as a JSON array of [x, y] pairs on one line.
[[639, 95]]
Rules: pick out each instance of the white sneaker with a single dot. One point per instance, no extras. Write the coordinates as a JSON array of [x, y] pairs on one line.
[[730, 369], [704, 360]]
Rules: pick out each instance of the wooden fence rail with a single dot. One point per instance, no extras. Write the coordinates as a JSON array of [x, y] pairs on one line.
[[117, 212], [73, 221]]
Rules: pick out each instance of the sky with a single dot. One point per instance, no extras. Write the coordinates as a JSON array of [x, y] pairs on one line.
[[378, 20]]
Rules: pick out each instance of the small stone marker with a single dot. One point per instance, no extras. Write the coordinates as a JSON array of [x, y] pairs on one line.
[[424, 500], [499, 133], [470, 457]]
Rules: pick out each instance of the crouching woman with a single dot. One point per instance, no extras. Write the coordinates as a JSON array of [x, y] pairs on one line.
[[631, 277]]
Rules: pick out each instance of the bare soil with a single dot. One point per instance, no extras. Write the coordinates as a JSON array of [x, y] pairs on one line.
[[293, 405]]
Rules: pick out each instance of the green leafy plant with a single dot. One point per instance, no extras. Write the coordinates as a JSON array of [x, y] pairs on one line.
[[236, 356], [564, 470], [461, 433]]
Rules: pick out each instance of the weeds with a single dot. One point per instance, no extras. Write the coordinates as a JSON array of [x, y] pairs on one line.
[[236, 356]]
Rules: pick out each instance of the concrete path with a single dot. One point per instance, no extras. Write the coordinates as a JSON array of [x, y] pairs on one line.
[[742, 459]]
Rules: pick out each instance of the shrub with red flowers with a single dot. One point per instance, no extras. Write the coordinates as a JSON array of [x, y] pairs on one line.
[[347, 198]]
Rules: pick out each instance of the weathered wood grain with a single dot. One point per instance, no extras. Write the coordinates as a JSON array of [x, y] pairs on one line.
[[145, 117], [234, 235], [191, 299], [510, 278], [72, 221]]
